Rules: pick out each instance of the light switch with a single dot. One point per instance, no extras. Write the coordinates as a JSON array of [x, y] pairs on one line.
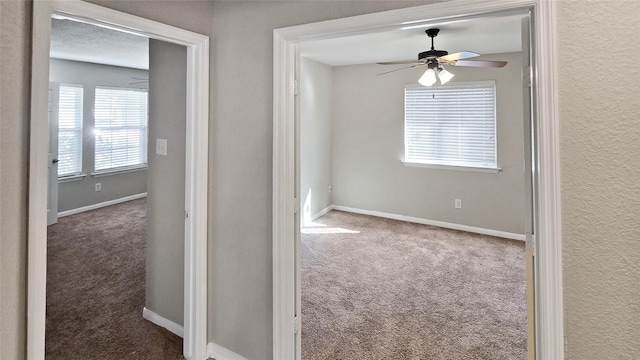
[[161, 146]]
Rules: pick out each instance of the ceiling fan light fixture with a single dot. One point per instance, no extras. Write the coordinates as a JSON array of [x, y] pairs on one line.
[[444, 76], [428, 78]]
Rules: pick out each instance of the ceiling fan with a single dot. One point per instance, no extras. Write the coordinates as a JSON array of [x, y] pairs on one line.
[[434, 59]]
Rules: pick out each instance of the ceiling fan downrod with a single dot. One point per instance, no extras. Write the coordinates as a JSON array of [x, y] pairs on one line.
[[432, 33]]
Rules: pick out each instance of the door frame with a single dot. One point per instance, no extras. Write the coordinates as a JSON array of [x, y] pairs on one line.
[[197, 123], [549, 331]]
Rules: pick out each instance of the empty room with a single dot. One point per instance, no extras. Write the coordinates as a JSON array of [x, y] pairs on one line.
[[413, 195], [115, 236]]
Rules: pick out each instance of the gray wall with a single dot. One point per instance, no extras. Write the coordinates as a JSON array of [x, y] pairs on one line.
[[316, 85], [240, 292], [79, 193], [166, 180], [368, 147], [598, 146]]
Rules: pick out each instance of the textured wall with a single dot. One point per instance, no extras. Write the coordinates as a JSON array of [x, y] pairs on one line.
[[368, 147], [15, 33], [600, 151]]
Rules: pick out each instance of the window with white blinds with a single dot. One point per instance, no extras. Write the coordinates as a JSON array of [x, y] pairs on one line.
[[69, 130], [452, 125], [120, 128]]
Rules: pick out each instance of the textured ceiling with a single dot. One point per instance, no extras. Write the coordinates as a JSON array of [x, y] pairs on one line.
[[489, 35], [72, 40]]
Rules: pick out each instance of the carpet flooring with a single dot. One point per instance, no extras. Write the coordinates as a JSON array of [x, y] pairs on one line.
[[375, 288], [95, 288]]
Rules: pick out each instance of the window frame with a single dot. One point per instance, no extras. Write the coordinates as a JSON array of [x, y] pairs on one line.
[[448, 164]]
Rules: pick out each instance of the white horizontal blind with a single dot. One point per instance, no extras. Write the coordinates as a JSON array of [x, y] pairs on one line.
[[451, 125], [70, 130], [120, 128]]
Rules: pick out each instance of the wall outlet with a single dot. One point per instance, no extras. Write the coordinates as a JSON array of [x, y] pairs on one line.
[[458, 203], [330, 188], [98, 186]]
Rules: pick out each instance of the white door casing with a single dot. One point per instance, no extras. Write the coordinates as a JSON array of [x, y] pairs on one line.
[[195, 290], [548, 276]]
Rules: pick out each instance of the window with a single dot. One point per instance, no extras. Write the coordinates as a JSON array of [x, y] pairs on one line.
[[451, 125], [120, 128], [69, 130]]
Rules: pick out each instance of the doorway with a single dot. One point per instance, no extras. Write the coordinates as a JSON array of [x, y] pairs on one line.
[[547, 277], [108, 95], [195, 195], [351, 160]]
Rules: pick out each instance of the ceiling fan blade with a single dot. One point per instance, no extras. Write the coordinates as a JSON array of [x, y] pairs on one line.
[[458, 56], [479, 63], [403, 68], [404, 62]]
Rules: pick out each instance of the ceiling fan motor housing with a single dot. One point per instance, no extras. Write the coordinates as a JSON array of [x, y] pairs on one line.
[[432, 54]]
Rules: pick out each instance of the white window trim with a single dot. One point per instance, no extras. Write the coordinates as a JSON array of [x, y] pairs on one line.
[[453, 167], [71, 178], [119, 170]]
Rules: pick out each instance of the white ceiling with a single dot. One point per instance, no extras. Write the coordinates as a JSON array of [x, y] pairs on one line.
[[72, 40], [489, 35]]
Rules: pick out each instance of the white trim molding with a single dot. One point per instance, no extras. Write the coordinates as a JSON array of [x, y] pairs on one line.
[[322, 212], [473, 229], [163, 322], [101, 205], [549, 334], [218, 352], [196, 172]]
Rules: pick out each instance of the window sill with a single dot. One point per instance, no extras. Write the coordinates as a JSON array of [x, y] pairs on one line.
[[119, 171], [71, 178], [453, 167]]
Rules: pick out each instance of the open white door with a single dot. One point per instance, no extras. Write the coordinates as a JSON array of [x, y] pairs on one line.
[[529, 178], [52, 164], [298, 218]]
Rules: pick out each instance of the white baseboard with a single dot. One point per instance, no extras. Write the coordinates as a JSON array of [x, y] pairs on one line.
[[502, 234], [322, 212], [221, 353], [163, 322], [100, 205]]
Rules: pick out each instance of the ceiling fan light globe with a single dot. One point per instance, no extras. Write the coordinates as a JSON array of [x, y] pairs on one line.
[[445, 76], [428, 78]]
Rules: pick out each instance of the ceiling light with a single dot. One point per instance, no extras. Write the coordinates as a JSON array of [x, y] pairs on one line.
[[428, 78], [444, 76]]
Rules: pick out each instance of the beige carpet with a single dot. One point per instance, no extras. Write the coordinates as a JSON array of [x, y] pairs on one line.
[[95, 288], [375, 288]]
